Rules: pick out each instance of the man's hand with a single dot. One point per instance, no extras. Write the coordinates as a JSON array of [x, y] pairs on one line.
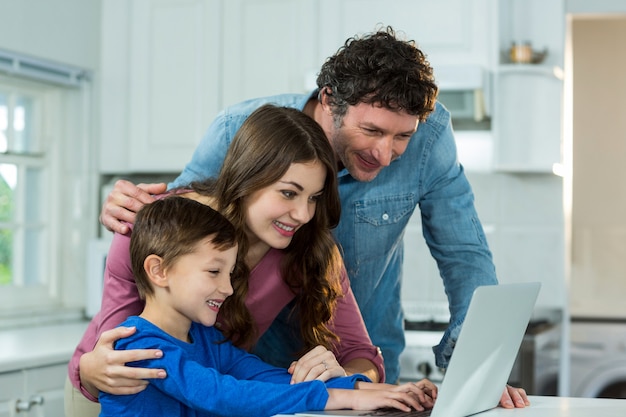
[[103, 369], [124, 201], [514, 398]]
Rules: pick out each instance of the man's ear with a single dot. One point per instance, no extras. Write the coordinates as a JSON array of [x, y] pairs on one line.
[[324, 94], [153, 265]]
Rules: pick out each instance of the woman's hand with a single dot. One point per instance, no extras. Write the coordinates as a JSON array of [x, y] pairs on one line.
[[319, 363], [514, 398], [103, 369], [124, 201]]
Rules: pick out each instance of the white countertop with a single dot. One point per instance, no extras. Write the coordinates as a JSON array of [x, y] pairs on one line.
[[39, 345], [560, 407]]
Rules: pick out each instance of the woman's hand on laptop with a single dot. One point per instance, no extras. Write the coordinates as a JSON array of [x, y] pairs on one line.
[[318, 363], [514, 398]]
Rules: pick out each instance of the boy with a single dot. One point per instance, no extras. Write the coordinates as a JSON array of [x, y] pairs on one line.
[[183, 255]]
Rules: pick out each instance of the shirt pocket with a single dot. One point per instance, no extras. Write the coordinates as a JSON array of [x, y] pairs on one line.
[[380, 225]]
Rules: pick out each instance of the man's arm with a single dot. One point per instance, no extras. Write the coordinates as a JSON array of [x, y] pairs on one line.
[[124, 201]]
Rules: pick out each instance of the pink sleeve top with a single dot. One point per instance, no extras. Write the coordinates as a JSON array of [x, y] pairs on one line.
[[267, 296], [120, 299]]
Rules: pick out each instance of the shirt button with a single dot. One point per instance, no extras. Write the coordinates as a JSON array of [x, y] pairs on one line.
[[385, 216]]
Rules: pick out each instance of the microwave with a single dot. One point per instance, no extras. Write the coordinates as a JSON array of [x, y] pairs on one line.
[[462, 90]]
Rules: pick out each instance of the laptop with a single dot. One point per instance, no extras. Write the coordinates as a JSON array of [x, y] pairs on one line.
[[483, 356]]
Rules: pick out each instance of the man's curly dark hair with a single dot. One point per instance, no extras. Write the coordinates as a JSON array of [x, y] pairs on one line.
[[379, 68]]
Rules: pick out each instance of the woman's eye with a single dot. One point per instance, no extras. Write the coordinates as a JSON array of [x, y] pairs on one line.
[[288, 194], [315, 198]]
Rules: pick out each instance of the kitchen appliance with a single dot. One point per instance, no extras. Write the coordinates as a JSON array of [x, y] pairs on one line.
[[463, 90], [536, 368], [598, 358]]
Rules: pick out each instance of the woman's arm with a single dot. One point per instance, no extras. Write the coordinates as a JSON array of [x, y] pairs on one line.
[[355, 351]]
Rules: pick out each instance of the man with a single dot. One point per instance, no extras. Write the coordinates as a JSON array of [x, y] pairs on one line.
[[376, 101]]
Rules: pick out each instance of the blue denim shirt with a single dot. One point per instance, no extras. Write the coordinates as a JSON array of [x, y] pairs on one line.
[[374, 217]]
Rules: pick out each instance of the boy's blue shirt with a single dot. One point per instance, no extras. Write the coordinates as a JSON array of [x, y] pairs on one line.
[[208, 378]]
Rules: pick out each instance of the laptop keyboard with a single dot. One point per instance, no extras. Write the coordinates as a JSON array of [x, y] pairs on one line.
[[394, 412]]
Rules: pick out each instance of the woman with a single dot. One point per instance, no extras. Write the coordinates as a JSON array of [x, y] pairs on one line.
[[278, 186]]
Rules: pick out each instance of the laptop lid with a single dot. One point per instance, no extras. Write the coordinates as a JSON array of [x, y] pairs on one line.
[[484, 354]]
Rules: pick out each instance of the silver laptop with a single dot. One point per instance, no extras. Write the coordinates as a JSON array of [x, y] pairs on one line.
[[483, 356]]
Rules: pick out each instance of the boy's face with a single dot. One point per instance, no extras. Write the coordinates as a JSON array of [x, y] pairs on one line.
[[199, 282]]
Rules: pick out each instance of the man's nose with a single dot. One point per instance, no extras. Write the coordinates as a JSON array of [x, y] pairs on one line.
[[383, 150]]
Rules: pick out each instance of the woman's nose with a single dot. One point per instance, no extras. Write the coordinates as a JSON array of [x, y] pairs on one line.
[[302, 212]]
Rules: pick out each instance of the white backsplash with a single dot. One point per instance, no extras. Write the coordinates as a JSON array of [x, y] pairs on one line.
[[523, 221]]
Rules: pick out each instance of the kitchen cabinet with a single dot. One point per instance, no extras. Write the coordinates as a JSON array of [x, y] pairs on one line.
[[33, 392], [527, 116], [270, 47], [160, 82], [450, 32]]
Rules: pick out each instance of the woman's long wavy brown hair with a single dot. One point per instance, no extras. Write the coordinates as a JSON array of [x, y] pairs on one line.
[[267, 144]]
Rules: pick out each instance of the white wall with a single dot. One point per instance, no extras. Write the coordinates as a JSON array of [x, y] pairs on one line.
[[66, 31]]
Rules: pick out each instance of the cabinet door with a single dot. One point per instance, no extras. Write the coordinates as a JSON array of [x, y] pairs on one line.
[[46, 383], [449, 32], [173, 80], [269, 48], [11, 389], [160, 86], [527, 119]]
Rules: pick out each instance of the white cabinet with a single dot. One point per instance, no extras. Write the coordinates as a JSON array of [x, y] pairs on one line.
[[527, 118], [527, 112], [33, 392], [269, 48], [160, 82], [450, 32]]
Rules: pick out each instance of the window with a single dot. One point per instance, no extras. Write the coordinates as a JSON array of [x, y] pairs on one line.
[[45, 204], [25, 173]]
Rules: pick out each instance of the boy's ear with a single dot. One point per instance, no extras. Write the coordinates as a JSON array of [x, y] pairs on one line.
[[153, 265]]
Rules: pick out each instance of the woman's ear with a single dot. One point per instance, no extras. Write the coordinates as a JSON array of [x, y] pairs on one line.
[[153, 265]]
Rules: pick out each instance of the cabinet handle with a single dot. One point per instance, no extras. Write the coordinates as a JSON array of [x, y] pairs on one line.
[[21, 405]]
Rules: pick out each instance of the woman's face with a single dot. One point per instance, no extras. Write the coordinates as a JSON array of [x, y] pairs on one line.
[[276, 212]]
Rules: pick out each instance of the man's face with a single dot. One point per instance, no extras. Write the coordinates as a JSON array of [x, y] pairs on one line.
[[370, 137]]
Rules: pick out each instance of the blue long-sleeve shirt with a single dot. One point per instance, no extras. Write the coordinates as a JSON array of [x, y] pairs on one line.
[[208, 378], [373, 220]]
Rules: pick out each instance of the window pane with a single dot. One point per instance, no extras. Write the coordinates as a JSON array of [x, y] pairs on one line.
[[21, 229], [8, 179], [23, 124], [31, 186], [4, 123], [33, 242], [6, 214]]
